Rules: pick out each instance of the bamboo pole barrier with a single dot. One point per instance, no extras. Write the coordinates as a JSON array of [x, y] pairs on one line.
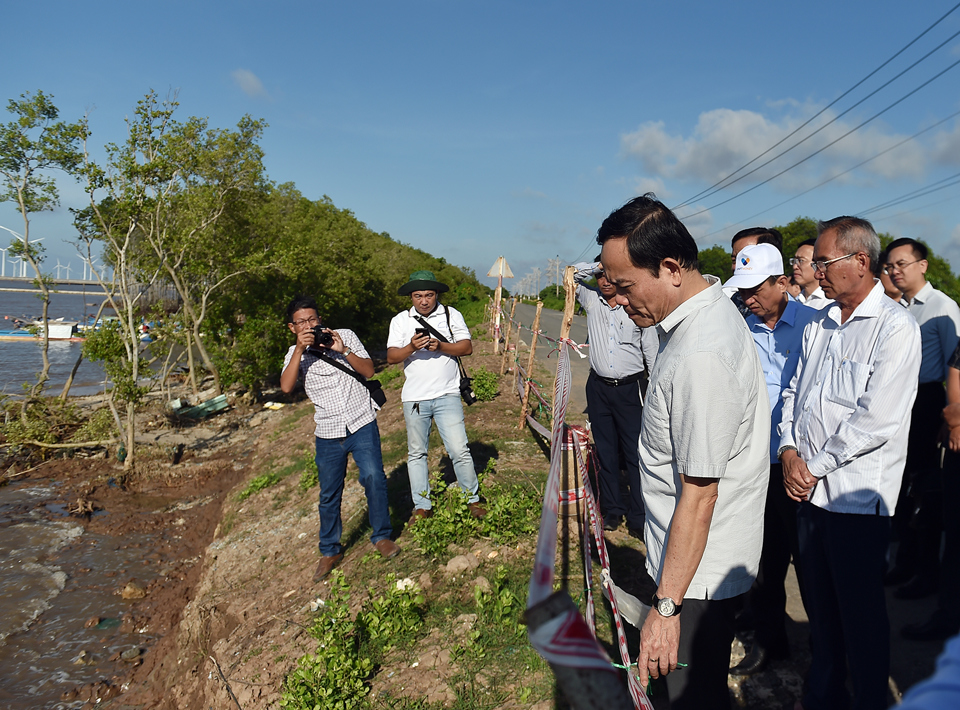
[[570, 304], [533, 348], [506, 342]]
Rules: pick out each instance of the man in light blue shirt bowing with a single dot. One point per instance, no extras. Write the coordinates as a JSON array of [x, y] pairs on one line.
[[776, 323], [621, 357]]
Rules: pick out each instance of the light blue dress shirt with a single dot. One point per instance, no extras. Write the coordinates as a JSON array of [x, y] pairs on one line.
[[618, 347], [779, 351]]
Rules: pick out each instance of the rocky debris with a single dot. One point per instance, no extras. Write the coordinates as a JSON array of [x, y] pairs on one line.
[[133, 591], [460, 564]]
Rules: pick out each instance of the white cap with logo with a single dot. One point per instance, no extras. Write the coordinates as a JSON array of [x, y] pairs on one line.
[[754, 265]]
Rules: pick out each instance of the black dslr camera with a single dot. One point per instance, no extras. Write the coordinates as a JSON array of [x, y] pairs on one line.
[[466, 390], [322, 336]]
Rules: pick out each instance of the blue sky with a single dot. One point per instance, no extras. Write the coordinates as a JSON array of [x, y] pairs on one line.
[[472, 129]]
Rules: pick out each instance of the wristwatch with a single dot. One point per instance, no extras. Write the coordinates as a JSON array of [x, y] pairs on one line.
[[784, 449], [666, 606], [347, 352]]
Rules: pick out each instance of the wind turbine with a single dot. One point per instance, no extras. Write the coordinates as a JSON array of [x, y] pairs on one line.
[[68, 269], [3, 267], [58, 267]]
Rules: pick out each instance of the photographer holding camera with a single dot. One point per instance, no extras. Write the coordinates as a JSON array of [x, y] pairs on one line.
[[432, 388], [346, 419]]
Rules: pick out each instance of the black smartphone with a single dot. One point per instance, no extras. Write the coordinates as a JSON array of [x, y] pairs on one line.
[[421, 331]]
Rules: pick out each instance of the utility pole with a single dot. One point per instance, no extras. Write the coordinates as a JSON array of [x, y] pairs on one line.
[[536, 276], [554, 266]]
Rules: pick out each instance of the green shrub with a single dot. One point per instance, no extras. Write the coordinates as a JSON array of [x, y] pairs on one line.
[[486, 384], [338, 674]]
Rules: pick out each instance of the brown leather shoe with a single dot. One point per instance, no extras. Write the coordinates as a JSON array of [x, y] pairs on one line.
[[419, 514], [477, 510], [387, 548], [327, 563]]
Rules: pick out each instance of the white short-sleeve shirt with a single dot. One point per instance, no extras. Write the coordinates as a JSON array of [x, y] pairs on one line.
[[428, 374], [707, 415]]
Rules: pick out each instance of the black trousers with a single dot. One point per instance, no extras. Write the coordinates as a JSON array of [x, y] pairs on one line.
[[768, 597], [843, 557], [918, 517], [949, 601], [615, 416], [706, 632]]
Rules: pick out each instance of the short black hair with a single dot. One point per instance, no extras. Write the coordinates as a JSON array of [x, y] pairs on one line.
[[764, 235], [298, 304], [919, 248], [653, 234], [812, 242]]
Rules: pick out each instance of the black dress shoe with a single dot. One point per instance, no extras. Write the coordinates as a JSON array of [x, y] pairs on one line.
[[611, 522], [917, 588], [936, 628], [753, 662], [636, 533]]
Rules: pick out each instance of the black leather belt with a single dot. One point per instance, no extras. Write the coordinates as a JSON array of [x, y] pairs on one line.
[[617, 381]]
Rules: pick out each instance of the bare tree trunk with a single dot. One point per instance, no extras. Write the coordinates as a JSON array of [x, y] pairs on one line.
[[192, 366]]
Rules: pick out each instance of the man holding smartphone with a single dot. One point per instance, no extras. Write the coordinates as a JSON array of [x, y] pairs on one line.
[[431, 392]]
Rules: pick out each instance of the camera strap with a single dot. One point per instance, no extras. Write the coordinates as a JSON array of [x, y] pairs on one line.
[[371, 385], [439, 336]]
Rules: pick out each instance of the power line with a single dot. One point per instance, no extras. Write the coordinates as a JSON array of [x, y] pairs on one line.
[[914, 194], [711, 189], [828, 145], [839, 175], [835, 118]]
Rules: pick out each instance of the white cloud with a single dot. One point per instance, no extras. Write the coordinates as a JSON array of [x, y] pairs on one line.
[[947, 146], [723, 140], [643, 185], [249, 84]]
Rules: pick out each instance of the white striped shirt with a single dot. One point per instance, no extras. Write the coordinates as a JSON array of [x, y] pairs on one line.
[[847, 409], [342, 404]]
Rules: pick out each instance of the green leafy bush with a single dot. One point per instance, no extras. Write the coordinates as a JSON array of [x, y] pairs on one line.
[[513, 512], [486, 384], [337, 675]]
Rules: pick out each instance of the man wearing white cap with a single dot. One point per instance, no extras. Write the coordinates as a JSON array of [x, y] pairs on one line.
[[776, 324]]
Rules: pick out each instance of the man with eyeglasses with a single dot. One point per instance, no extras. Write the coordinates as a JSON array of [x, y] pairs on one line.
[[843, 446], [346, 419], [776, 323], [918, 520], [810, 292]]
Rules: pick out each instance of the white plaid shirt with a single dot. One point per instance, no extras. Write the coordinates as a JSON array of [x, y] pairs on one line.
[[343, 405]]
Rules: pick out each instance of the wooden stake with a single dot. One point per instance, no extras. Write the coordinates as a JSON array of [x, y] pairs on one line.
[[506, 342], [570, 304], [533, 348]]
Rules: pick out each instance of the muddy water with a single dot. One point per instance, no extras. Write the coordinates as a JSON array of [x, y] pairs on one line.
[[54, 578]]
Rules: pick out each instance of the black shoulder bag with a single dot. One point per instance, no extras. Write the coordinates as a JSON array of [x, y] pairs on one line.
[[466, 386], [373, 386]]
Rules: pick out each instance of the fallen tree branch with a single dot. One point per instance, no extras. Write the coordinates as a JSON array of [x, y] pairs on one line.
[[78, 445]]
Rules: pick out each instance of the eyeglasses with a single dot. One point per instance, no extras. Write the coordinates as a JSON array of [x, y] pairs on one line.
[[798, 261], [899, 266], [313, 320], [820, 266]]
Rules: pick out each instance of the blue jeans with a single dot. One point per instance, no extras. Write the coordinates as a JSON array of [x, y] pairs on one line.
[[447, 412], [331, 460]]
